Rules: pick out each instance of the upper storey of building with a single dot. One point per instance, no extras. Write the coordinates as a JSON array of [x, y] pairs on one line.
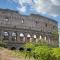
[[11, 18]]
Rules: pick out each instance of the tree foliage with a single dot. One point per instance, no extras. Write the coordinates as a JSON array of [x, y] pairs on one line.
[[55, 35], [43, 52]]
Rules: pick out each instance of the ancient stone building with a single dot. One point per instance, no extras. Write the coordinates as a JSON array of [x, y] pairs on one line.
[[17, 29]]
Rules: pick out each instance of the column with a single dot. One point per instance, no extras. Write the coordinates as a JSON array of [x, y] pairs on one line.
[[18, 37], [10, 37]]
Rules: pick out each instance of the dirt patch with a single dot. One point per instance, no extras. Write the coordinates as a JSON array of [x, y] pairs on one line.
[[4, 55]]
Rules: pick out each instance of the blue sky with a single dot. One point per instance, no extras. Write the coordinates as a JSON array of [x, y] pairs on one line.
[[50, 9]]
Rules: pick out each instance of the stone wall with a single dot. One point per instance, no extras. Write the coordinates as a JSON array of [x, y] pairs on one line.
[[34, 27]]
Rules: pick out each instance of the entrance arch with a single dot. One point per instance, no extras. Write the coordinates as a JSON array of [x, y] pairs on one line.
[[21, 49], [13, 48]]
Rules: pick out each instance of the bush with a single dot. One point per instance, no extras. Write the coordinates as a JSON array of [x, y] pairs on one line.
[[29, 45], [56, 52], [42, 53]]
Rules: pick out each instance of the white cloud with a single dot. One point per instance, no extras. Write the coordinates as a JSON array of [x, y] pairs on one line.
[[56, 2], [52, 7], [53, 15], [22, 10], [43, 12]]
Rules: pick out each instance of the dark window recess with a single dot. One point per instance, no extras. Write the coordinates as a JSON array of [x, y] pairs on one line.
[[6, 17], [41, 31], [36, 22], [46, 24], [13, 38], [53, 27], [15, 26], [21, 39], [6, 38], [28, 39], [22, 19]]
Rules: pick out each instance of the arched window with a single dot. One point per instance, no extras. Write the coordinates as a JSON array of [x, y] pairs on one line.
[[22, 21], [34, 36], [28, 37], [45, 38], [5, 33], [21, 37], [40, 37], [13, 36], [6, 36]]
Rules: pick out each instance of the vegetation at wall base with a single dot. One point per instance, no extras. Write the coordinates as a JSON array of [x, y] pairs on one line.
[[43, 52], [37, 51]]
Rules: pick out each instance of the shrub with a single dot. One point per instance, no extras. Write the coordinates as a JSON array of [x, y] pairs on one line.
[[56, 52], [29, 45], [42, 53]]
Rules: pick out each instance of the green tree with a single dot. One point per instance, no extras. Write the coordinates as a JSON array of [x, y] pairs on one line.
[[55, 35]]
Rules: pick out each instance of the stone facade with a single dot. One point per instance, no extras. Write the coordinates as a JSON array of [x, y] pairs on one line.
[[16, 29]]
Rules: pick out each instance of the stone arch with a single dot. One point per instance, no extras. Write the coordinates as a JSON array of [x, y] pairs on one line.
[[45, 38], [28, 37], [14, 36], [34, 38], [40, 37], [21, 37], [21, 48], [6, 35], [13, 48], [29, 49]]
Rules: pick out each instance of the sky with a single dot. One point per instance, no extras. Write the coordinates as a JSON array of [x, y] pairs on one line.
[[48, 8]]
